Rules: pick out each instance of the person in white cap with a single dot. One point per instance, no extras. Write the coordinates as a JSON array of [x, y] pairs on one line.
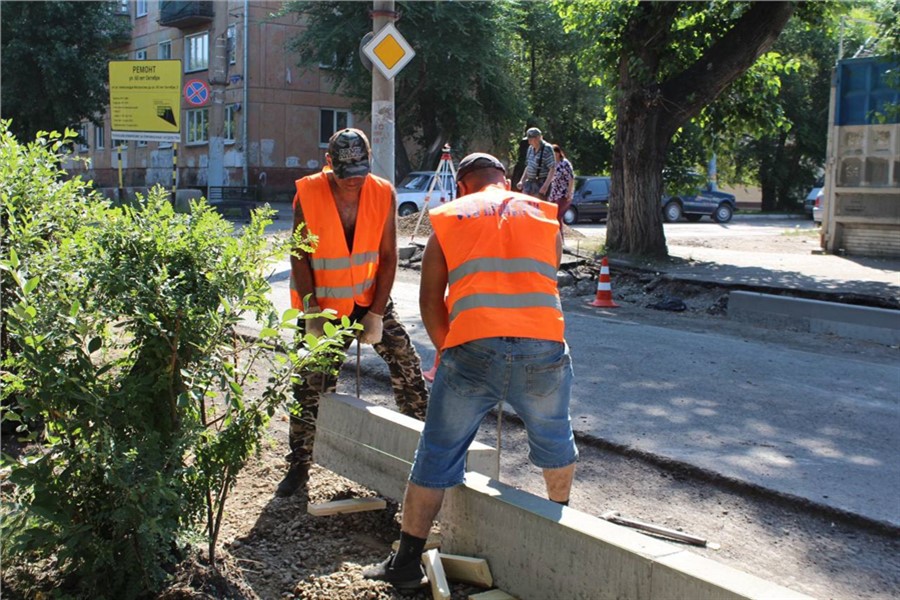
[[540, 166]]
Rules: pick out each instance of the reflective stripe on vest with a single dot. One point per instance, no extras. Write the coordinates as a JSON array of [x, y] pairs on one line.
[[504, 301], [510, 265], [343, 279], [500, 249]]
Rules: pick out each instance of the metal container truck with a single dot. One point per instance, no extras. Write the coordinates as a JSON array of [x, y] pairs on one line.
[[862, 170]]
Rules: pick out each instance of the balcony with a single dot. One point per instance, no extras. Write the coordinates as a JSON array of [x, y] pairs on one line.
[[181, 14]]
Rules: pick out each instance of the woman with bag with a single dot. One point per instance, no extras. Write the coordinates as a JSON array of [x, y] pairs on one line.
[[562, 186]]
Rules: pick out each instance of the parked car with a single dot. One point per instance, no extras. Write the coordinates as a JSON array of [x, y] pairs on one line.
[[810, 201], [412, 190], [818, 207], [590, 199], [719, 206]]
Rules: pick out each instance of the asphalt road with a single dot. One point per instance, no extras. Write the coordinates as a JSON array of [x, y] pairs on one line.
[[811, 424]]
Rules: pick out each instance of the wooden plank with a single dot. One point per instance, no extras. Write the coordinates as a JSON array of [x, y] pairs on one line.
[[433, 541], [467, 569], [346, 506], [492, 595], [440, 589]]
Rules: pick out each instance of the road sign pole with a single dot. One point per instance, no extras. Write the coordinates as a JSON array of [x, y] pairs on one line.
[[218, 74], [119, 155], [174, 171], [383, 121]]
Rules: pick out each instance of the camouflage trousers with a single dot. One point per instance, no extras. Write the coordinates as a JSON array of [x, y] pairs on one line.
[[404, 364]]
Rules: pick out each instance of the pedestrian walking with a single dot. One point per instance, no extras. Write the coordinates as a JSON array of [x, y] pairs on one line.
[[351, 271], [540, 165], [501, 337], [562, 186]]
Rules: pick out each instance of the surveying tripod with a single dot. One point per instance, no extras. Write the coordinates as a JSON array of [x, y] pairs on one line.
[[445, 173]]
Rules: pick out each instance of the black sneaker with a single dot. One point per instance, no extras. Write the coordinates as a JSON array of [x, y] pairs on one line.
[[407, 577], [296, 478]]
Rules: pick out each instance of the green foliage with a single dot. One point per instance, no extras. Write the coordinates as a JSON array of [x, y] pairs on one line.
[[461, 88], [54, 67], [564, 103], [124, 322]]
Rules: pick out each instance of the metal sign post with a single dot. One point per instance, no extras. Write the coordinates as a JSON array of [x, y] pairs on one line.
[[389, 53]]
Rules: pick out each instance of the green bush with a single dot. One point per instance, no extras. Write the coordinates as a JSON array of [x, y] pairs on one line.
[[122, 327]]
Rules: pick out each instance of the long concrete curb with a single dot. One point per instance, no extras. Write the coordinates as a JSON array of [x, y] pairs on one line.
[[375, 446], [535, 548], [815, 316]]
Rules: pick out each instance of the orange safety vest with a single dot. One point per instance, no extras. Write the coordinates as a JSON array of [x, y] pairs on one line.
[[342, 278], [500, 248]]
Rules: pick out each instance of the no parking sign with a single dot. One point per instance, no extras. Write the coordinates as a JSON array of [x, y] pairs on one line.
[[196, 92]]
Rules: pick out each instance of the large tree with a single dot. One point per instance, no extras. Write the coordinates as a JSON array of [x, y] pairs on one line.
[[54, 69], [462, 87], [672, 59], [564, 104]]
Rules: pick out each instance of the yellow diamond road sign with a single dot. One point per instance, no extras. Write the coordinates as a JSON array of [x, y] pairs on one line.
[[389, 51]]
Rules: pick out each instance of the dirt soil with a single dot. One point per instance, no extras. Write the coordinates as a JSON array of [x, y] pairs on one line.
[[273, 549]]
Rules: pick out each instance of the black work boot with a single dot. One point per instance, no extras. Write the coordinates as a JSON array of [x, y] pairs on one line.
[[405, 577], [296, 479]]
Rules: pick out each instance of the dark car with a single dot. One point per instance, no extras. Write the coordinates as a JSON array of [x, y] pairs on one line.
[[590, 200], [719, 206]]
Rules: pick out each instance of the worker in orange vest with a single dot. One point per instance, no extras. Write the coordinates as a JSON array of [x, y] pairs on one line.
[[351, 272], [501, 338]]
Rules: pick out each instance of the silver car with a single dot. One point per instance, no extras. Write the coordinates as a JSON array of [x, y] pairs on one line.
[[412, 190], [818, 208]]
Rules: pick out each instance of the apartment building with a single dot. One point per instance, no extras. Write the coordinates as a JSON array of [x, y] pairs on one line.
[[272, 126]]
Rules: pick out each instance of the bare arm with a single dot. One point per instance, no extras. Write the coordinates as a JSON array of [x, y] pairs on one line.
[[387, 260], [301, 271], [432, 287], [559, 246], [545, 189]]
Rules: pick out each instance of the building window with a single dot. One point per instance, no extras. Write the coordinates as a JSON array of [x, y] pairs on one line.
[[230, 123], [140, 8], [231, 44], [83, 145], [196, 52], [197, 126], [164, 50], [141, 143], [99, 137], [122, 7], [331, 120], [330, 65], [140, 55]]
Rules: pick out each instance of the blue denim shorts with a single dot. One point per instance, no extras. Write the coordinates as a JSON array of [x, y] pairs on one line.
[[533, 376]]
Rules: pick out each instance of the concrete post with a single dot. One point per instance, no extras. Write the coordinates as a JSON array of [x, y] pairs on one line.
[[383, 121], [218, 79]]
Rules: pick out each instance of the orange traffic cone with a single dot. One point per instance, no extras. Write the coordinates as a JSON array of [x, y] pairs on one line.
[[604, 288]]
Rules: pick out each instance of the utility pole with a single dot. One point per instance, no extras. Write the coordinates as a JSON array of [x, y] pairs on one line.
[[218, 79], [383, 120]]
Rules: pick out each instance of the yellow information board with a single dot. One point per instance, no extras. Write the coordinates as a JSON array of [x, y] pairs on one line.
[[145, 100]]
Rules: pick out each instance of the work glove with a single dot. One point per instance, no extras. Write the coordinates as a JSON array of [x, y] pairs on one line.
[[373, 326], [315, 326]]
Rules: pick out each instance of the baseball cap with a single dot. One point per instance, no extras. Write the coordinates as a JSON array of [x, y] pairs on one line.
[[349, 152], [477, 161], [533, 132]]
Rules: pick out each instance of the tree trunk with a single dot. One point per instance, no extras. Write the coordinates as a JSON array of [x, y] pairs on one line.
[[651, 111], [634, 225]]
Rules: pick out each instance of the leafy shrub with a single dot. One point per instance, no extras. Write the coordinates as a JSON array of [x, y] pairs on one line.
[[123, 321]]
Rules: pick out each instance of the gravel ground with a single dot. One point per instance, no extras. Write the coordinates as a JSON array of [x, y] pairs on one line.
[[273, 549], [285, 553]]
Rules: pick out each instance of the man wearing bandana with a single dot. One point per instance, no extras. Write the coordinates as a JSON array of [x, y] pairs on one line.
[[351, 272]]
